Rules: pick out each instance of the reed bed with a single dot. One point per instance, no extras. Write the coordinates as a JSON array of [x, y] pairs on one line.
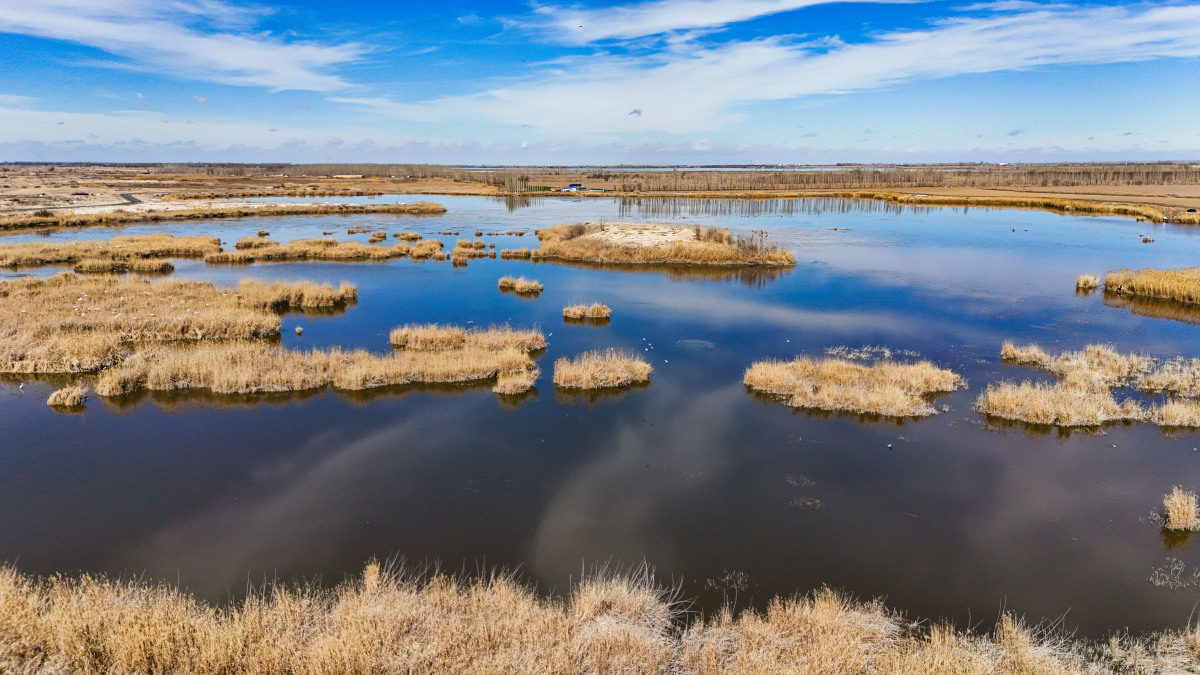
[[434, 337], [1180, 285], [515, 254], [68, 397], [279, 296], [429, 248], [520, 285], [122, 248], [70, 324], [242, 367], [1087, 282], [254, 242], [517, 381], [377, 237], [407, 236], [308, 249], [119, 266], [883, 388], [657, 244], [389, 621], [1094, 366], [1056, 403], [1181, 510], [68, 219], [592, 311], [600, 369], [1178, 413]]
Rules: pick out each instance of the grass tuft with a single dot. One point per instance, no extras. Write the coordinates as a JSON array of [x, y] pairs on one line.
[[520, 285], [600, 369], [1181, 510], [884, 388], [1087, 282], [592, 311], [68, 397]]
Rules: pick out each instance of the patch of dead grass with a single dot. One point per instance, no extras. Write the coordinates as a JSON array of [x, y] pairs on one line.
[[624, 243], [600, 369]]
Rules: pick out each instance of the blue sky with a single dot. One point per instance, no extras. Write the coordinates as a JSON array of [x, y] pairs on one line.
[[652, 82]]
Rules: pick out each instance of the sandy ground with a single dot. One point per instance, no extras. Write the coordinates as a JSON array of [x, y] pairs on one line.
[[639, 235], [91, 189]]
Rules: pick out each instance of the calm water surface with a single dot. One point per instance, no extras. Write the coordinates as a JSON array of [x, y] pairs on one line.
[[960, 517]]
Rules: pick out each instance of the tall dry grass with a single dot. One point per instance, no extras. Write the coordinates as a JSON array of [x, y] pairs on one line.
[[308, 249], [389, 621], [433, 337], [69, 324], [520, 285], [1180, 285], [601, 369], [1181, 510], [127, 249], [253, 367], [883, 388], [68, 219], [68, 397], [592, 311], [1087, 282], [1056, 403], [624, 243]]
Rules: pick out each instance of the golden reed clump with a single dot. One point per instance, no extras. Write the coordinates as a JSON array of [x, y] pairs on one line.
[[883, 388], [68, 397], [1181, 285], [1083, 395], [592, 311], [395, 621], [624, 243], [1181, 510], [1087, 282], [601, 369], [432, 337], [520, 285], [127, 249]]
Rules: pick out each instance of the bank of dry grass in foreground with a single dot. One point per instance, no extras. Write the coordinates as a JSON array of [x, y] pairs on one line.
[[592, 311], [133, 215], [520, 285], [128, 249], [386, 622], [69, 324], [1181, 510], [624, 243], [1180, 285], [600, 369], [883, 388], [1083, 395]]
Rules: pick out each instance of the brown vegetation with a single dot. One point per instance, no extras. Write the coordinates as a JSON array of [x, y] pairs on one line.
[[399, 622], [1087, 282], [515, 254], [408, 236], [657, 244], [120, 249], [1180, 285], [243, 211], [520, 285], [1083, 396], [884, 388], [68, 324], [516, 381], [600, 369], [308, 249], [1181, 510], [433, 337], [592, 311], [68, 397]]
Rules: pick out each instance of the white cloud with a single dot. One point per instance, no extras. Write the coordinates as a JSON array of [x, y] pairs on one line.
[[581, 26], [201, 40], [700, 88]]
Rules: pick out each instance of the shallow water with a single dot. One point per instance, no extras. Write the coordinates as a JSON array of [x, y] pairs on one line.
[[961, 517]]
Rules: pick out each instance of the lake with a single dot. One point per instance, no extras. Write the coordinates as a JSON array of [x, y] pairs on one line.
[[732, 496]]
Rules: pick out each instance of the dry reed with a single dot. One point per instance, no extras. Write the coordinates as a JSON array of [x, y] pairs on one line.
[[408, 236], [600, 369], [389, 621], [515, 254], [1087, 282], [883, 388], [520, 285], [1180, 285], [1181, 510], [626, 244], [122, 248], [1057, 403], [308, 249], [242, 211], [433, 337], [592, 311], [68, 397], [517, 381]]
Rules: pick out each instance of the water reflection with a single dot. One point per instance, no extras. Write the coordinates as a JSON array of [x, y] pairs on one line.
[[592, 397], [1155, 308]]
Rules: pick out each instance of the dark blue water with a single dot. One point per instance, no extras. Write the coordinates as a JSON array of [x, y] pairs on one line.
[[960, 518]]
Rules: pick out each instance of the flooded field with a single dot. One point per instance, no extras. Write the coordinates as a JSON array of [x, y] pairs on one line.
[[732, 495]]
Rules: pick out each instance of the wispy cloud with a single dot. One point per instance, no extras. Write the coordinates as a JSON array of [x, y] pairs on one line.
[[701, 88], [580, 26], [200, 39]]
